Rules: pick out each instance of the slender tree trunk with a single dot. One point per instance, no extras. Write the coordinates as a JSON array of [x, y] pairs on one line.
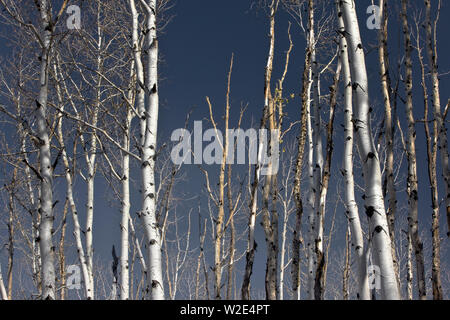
[[250, 255], [62, 255], [374, 207], [35, 215], [311, 154], [46, 175], [280, 104], [412, 181], [199, 262], [296, 241], [148, 115], [270, 217], [319, 287], [232, 249], [346, 273], [431, 44], [432, 146], [221, 205], [389, 130], [11, 209], [125, 223], [363, 292], [148, 214], [69, 182], [409, 270], [91, 158]]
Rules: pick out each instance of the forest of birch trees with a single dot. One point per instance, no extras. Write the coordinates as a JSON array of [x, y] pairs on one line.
[[347, 196]]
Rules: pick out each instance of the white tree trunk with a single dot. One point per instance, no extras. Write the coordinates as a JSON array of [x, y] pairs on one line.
[[311, 171], [363, 292], [374, 207], [389, 129], [125, 223], [46, 175], [149, 127]]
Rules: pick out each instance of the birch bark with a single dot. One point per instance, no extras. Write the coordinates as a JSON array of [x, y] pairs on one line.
[[374, 207], [363, 292], [46, 175], [389, 129], [311, 155], [155, 285]]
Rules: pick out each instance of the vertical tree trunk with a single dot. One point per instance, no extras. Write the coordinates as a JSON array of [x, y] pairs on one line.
[[221, 205], [319, 287], [412, 181], [69, 182], [35, 215], [199, 261], [46, 175], [148, 115], [62, 254], [11, 209], [436, 101], [270, 217], [389, 129], [125, 223], [318, 161], [375, 210], [363, 292], [432, 146], [250, 255], [232, 249], [148, 148], [296, 241], [409, 270], [346, 273], [311, 154], [279, 101]]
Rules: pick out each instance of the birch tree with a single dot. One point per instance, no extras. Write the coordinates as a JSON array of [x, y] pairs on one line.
[[350, 201], [431, 47], [412, 188], [432, 140], [148, 105], [389, 132], [245, 289], [295, 271], [374, 207], [47, 248]]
